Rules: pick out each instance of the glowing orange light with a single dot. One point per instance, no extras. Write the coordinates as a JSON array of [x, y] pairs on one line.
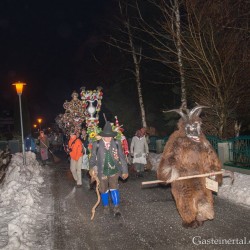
[[34, 125], [19, 87], [39, 120]]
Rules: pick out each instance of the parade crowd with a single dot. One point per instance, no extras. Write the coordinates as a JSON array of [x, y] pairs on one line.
[[103, 161]]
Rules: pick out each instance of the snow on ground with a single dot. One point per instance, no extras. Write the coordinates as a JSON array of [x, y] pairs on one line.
[[26, 206], [238, 193], [25, 217]]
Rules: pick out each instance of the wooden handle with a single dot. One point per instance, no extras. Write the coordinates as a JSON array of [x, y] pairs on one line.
[[183, 178]]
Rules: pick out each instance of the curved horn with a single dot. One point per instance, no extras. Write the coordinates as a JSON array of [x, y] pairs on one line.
[[179, 111], [199, 108]]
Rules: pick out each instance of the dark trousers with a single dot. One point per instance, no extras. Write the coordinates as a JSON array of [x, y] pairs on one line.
[[108, 183]]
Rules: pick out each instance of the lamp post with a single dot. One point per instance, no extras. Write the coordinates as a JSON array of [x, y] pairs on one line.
[[19, 90], [39, 121]]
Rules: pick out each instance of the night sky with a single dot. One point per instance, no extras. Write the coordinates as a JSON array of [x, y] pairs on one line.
[[47, 44]]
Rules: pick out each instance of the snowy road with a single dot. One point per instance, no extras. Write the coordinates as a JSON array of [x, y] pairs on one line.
[[149, 219]]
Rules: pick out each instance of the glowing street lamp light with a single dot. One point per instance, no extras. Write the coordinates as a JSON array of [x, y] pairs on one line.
[[19, 90], [40, 121], [34, 126]]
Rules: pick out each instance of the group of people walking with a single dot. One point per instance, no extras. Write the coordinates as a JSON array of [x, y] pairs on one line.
[[44, 144], [107, 162]]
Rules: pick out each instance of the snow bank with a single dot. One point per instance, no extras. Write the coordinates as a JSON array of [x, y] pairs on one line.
[[21, 212], [238, 193]]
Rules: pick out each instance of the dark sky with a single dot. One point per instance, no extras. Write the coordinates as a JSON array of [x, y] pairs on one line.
[[46, 44]]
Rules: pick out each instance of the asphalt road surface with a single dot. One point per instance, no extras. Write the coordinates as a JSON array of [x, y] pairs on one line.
[[149, 219]]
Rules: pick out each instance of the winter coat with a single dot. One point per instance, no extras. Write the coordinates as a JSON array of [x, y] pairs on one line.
[[97, 157], [75, 148], [139, 149], [44, 141]]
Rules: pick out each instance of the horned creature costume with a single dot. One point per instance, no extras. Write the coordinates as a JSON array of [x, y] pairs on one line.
[[188, 152]]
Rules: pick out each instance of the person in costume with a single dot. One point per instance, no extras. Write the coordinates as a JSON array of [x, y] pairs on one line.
[[108, 162], [139, 151]]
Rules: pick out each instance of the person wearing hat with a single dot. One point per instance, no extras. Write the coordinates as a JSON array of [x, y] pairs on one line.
[[76, 153], [108, 162]]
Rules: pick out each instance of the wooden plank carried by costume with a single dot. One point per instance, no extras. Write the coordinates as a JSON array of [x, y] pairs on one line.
[[183, 178]]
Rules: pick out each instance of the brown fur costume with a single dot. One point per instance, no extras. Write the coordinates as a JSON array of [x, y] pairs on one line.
[[188, 152]]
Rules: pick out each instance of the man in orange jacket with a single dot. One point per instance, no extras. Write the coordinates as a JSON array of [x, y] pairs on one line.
[[76, 153]]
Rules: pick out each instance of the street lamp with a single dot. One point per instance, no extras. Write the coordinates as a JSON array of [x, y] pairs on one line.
[[35, 127], [19, 90], [39, 121]]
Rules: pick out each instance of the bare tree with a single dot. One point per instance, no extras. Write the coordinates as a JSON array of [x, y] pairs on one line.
[[209, 44], [214, 58], [126, 42], [167, 39], [176, 22]]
